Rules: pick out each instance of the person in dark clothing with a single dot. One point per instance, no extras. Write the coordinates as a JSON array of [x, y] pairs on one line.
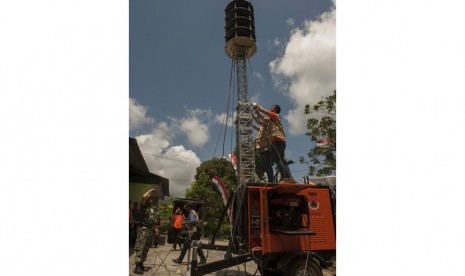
[[149, 205], [278, 141], [195, 234], [178, 219], [136, 218], [263, 144], [132, 233]]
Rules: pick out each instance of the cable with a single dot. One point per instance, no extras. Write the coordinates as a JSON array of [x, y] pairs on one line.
[[177, 160], [227, 108], [308, 252], [259, 266], [306, 262], [232, 106], [251, 70], [165, 266], [162, 263], [225, 123], [217, 141]]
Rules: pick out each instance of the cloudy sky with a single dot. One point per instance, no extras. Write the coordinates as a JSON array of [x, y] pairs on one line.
[[180, 77], [64, 83]]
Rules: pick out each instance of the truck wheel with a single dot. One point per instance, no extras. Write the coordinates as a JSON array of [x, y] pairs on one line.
[[297, 268], [267, 272]]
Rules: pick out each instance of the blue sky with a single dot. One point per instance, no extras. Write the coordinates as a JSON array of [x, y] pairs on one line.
[[64, 87], [180, 77]]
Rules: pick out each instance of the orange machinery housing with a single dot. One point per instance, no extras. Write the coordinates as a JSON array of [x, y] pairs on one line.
[[290, 218]]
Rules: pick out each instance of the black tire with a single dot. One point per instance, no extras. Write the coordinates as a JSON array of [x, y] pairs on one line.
[[266, 272], [297, 268]]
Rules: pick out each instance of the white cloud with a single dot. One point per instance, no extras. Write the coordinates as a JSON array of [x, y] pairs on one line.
[[173, 162], [197, 132], [199, 113], [158, 140], [307, 69], [176, 162], [276, 42], [138, 115], [256, 98], [259, 76], [195, 125], [290, 21], [221, 119]]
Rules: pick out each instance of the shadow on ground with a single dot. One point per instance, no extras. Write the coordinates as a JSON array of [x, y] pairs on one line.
[[232, 273]]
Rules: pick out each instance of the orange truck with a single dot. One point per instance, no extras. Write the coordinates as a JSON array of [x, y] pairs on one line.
[[285, 228]]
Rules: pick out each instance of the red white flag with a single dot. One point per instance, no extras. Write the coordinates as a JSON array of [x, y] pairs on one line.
[[224, 194], [323, 142], [233, 158]]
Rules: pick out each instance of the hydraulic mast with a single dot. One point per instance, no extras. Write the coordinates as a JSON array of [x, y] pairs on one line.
[[256, 205], [240, 46], [244, 127]]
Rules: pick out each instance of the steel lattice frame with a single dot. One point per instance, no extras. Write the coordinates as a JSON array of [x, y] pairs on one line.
[[244, 123]]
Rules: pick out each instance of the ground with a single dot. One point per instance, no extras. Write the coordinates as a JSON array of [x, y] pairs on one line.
[[160, 259]]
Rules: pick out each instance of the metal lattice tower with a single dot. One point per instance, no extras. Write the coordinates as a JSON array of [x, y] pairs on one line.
[[240, 46]]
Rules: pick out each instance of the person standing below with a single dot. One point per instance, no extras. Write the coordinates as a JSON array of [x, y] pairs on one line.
[[156, 229], [194, 234], [144, 238], [278, 141], [178, 219], [131, 226], [263, 144], [137, 217]]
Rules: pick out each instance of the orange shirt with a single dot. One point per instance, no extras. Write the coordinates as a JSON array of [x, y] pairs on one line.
[[178, 219], [277, 130]]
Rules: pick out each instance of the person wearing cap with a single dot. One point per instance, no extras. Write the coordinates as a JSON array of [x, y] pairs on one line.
[[195, 234], [144, 240], [278, 141]]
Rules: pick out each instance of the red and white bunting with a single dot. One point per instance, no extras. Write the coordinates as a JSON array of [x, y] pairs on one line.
[[224, 194]]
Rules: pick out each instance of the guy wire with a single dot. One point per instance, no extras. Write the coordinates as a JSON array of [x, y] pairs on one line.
[[225, 122]]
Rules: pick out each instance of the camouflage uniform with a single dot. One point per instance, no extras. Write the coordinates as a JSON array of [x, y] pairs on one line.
[[144, 232], [156, 228]]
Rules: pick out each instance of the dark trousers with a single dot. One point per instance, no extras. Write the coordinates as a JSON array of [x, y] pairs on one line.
[[132, 240], [187, 245], [278, 148], [265, 157], [177, 237], [131, 235]]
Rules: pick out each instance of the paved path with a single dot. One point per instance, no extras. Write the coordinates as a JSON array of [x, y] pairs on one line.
[[160, 259]]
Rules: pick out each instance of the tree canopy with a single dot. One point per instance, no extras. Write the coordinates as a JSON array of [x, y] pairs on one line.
[[322, 130], [204, 189]]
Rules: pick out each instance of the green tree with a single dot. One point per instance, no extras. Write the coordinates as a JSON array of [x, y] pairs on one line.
[[204, 189], [322, 125], [166, 211]]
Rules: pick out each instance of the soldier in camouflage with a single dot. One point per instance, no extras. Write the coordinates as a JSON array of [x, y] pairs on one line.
[[156, 228], [144, 240]]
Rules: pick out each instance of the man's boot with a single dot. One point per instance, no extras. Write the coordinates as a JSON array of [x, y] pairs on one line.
[[145, 268], [138, 269], [202, 260], [181, 257]]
